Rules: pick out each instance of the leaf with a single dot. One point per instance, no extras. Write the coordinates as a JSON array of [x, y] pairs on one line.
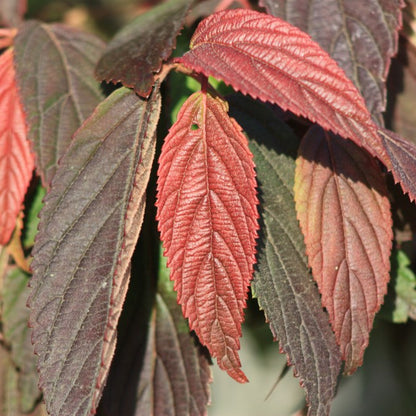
[[12, 11], [15, 316], [136, 53], [402, 153], [269, 59], [282, 282], [88, 229], [347, 228], [16, 160], [402, 305], [361, 38], [54, 66], [208, 221]]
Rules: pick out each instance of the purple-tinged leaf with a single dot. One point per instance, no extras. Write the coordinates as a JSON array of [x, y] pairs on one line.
[[15, 315], [88, 229], [12, 11], [344, 213], [55, 74], [136, 53], [282, 283], [270, 59], [360, 35], [402, 154]]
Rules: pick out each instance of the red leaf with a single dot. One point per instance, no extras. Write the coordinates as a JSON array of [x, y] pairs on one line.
[[16, 160], [270, 59], [348, 231], [208, 221]]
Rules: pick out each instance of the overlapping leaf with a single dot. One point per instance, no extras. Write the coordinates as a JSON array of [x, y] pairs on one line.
[[361, 37], [347, 227], [283, 284], [88, 229], [15, 315], [55, 67], [136, 53], [12, 11], [16, 159], [266, 57], [208, 221]]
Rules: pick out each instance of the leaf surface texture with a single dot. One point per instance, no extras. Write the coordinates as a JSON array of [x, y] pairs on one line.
[[282, 282], [16, 159], [136, 53], [348, 231], [361, 37], [55, 74], [269, 59], [89, 227], [208, 221]]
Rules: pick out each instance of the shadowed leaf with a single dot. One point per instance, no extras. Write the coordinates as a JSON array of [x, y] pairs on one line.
[[88, 229], [15, 316], [12, 11], [269, 59], [54, 67], [402, 154], [347, 228], [136, 53], [282, 282], [208, 222], [16, 159], [361, 37]]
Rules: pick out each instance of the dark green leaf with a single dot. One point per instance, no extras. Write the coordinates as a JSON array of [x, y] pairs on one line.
[[282, 283], [136, 53], [88, 229], [32, 216], [54, 69]]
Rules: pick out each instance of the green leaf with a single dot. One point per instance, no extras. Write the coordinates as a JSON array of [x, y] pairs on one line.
[[54, 69], [404, 280], [282, 282], [88, 230], [32, 216]]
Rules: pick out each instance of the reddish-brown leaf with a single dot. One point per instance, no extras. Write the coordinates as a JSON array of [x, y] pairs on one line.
[[361, 37], [208, 222], [16, 159], [347, 228], [12, 11], [270, 59]]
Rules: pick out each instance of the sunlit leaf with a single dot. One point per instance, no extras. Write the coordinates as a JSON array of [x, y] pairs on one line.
[[55, 73], [361, 37], [88, 229], [16, 159], [345, 216], [282, 284], [208, 221]]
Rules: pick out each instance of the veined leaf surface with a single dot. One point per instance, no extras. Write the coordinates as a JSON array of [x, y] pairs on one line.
[[16, 159], [208, 221], [361, 38], [348, 232], [55, 74], [136, 53], [270, 59], [88, 229], [282, 283]]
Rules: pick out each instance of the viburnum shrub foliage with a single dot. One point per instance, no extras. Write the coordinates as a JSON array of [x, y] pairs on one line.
[[276, 176]]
